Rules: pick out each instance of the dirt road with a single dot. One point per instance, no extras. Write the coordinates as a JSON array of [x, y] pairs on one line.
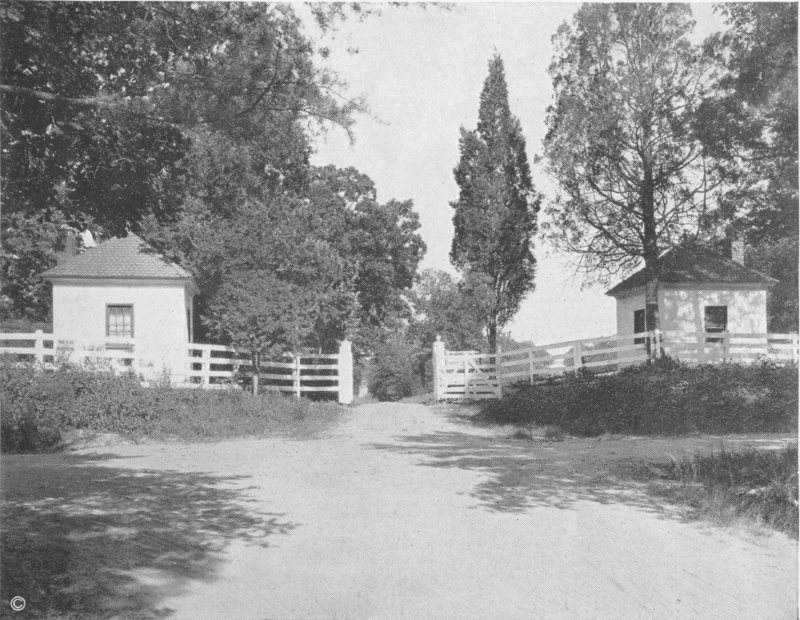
[[404, 513]]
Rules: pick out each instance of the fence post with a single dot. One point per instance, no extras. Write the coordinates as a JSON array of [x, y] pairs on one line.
[[576, 355], [657, 343], [530, 365], [466, 374], [498, 366], [296, 376], [726, 346], [345, 372], [39, 347], [438, 364], [205, 366], [236, 364]]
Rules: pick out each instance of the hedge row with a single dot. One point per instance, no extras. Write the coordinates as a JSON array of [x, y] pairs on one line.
[[38, 407], [661, 398]]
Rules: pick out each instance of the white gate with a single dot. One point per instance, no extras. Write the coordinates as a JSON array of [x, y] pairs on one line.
[[464, 375]]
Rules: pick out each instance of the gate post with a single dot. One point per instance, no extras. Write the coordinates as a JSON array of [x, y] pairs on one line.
[[344, 371], [438, 364]]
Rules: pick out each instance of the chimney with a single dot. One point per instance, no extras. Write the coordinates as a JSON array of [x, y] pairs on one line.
[[737, 249], [87, 239]]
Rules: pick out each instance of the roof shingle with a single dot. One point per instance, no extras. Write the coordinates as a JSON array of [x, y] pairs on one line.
[[694, 265], [120, 257]]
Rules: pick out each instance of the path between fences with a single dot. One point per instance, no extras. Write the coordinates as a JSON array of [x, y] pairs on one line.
[[404, 512]]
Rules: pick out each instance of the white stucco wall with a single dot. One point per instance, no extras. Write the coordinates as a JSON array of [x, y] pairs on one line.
[[625, 309], [681, 308], [160, 330]]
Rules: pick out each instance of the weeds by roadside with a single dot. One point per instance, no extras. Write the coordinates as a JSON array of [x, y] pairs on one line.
[[547, 433], [729, 486]]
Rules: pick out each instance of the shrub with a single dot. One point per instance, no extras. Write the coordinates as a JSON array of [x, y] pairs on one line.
[[38, 407], [661, 398], [392, 375]]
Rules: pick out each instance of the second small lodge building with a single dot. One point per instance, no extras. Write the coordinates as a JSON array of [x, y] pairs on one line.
[[698, 291]]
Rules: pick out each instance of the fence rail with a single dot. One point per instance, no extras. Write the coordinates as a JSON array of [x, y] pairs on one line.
[[467, 375], [220, 367], [207, 366]]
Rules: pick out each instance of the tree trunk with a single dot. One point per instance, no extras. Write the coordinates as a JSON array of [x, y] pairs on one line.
[[256, 359], [651, 263], [652, 321], [492, 335]]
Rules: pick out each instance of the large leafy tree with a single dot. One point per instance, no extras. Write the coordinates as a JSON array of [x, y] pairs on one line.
[[749, 123], [381, 240], [68, 70], [451, 309], [29, 248], [117, 114], [631, 171], [379, 244], [279, 286], [106, 98], [496, 211]]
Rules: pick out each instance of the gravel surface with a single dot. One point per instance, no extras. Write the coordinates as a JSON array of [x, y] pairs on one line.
[[405, 512]]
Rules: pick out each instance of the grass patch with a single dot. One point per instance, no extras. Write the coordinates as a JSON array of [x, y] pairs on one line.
[[666, 398], [725, 486], [192, 414], [37, 409]]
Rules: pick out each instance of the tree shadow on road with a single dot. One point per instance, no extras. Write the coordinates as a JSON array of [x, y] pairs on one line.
[[84, 539], [519, 475]]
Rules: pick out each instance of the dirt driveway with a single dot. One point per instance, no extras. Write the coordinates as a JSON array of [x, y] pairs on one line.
[[402, 512]]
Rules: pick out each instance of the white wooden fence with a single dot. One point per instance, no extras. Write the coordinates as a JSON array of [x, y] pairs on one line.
[[207, 365], [470, 375], [218, 367]]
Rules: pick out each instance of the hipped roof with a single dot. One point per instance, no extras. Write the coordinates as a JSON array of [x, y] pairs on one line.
[[121, 257], [694, 265]]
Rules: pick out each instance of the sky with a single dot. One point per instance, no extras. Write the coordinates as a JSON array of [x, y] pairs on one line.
[[421, 70]]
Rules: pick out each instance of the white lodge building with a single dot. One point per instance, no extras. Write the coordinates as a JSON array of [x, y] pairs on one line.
[[123, 295], [698, 291]]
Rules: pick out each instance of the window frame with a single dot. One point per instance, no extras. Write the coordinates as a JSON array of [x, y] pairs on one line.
[[108, 320]]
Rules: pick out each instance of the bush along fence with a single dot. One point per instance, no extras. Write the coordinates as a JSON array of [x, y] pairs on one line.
[[471, 375], [205, 366]]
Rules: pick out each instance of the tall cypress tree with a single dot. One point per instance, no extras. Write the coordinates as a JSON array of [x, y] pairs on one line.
[[497, 207]]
